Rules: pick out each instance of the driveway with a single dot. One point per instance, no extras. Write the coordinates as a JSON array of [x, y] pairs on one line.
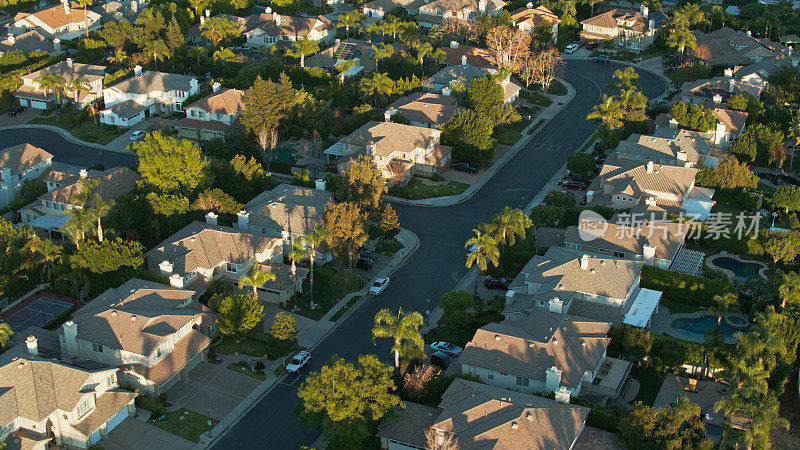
[[212, 389], [25, 117], [122, 142], [134, 434]]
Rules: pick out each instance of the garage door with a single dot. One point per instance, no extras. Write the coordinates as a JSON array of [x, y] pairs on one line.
[[38, 105], [23, 102], [117, 419]]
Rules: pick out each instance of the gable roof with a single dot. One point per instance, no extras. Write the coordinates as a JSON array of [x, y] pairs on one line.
[[626, 19], [730, 47], [390, 137], [426, 107], [476, 56], [345, 49], [634, 179], [149, 81], [388, 5], [462, 5], [667, 237], [225, 101], [113, 183], [408, 423], [28, 42], [668, 143], [70, 71], [19, 158], [722, 86], [534, 16], [452, 73], [294, 25], [288, 208], [55, 17], [734, 120]]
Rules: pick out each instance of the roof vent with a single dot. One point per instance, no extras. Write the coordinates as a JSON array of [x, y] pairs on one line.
[[531, 344], [555, 341], [113, 313], [593, 271], [133, 318], [496, 337], [602, 262], [21, 364], [583, 343], [514, 425], [529, 416]]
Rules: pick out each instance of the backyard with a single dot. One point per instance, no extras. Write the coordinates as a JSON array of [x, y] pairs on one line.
[[650, 382], [86, 131], [186, 424]]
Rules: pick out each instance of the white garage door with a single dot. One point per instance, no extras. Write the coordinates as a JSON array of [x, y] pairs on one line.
[[38, 105], [118, 417]]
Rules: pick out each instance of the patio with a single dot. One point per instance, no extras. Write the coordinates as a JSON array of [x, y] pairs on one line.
[[705, 394]]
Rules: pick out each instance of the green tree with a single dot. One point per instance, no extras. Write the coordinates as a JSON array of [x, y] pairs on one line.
[[787, 197], [54, 83], [345, 229], [723, 304], [470, 135], [403, 329], [343, 67], [93, 204], [218, 29], [426, 50], [346, 399], [626, 78], [546, 216], [296, 254], [108, 256], [170, 164], [794, 136], [581, 164], [302, 48], [50, 254], [238, 314], [79, 222], [217, 200], [389, 222], [283, 327], [378, 86], [728, 174], [692, 116], [608, 112], [483, 94], [755, 142], [266, 104], [455, 307], [157, 50], [780, 245], [680, 39], [313, 240], [482, 250], [255, 280], [506, 225], [76, 86], [363, 184], [6, 333], [352, 18], [382, 51]]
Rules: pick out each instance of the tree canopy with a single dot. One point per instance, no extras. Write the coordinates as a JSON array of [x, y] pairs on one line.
[[363, 185], [238, 314], [108, 256], [169, 164], [470, 135]]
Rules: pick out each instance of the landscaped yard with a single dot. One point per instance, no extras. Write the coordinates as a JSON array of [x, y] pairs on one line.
[[416, 189], [244, 368], [330, 285], [388, 245], [650, 382], [338, 314], [247, 346], [509, 134], [676, 308], [186, 424], [87, 131]]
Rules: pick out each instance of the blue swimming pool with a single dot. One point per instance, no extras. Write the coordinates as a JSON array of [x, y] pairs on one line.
[[742, 270], [697, 326]]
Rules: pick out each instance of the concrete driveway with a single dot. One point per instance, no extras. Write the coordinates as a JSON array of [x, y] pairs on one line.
[[22, 119], [134, 434], [211, 389]]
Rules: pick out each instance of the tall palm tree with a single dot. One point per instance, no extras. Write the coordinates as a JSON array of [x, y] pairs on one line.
[[591, 3], [157, 50], [688, 16], [218, 29], [680, 39], [313, 240], [256, 279], [349, 19], [382, 51], [222, 55], [632, 99], [507, 225], [302, 48], [197, 52], [50, 254], [394, 26], [626, 77], [52, 83], [403, 329], [794, 135], [94, 205], [344, 66], [424, 50], [482, 251], [712, 344], [723, 304], [85, 4], [379, 86], [79, 223], [608, 112], [296, 254], [78, 85], [370, 30], [6, 333]]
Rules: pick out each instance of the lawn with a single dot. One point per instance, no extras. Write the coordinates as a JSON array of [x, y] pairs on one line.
[[247, 346], [245, 370], [506, 136], [87, 131], [186, 424], [338, 314], [676, 308], [650, 382], [388, 245], [416, 189], [330, 285]]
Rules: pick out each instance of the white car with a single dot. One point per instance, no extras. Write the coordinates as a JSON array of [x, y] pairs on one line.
[[299, 360], [137, 135], [571, 48], [446, 347], [379, 285]]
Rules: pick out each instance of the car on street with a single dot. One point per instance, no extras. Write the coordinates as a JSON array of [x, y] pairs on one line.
[[379, 285], [446, 347], [496, 283], [463, 167], [571, 48], [137, 135], [364, 264], [367, 254], [16, 110], [441, 360], [298, 362], [574, 184], [602, 58]]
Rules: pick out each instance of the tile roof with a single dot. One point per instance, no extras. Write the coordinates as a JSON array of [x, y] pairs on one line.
[[70, 71], [734, 120], [529, 346], [427, 108], [126, 109], [19, 158], [225, 101], [23, 439], [730, 47], [55, 17], [193, 343], [408, 423], [106, 406], [620, 18], [113, 183], [476, 56], [28, 42], [288, 208], [695, 145], [722, 86], [452, 73], [534, 16], [390, 137], [634, 180], [149, 81], [353, 48], [461, 5], [294, 26], [667, 237]]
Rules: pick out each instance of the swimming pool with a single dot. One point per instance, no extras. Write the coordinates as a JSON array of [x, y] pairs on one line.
[[697, 326], [741, 269], [285, 155]]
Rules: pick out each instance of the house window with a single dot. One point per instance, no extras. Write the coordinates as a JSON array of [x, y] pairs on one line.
[[490, 375], [97, 348], [83, 408], [82, 344], [232, 268], [523, 382], [503, 374], [619, 255], [178, 106]]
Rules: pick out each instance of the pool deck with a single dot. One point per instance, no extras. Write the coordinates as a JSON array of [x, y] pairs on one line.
[[662, 323], [710, 263]]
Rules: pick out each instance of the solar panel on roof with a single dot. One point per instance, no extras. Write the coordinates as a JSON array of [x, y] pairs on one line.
[[347, 51]]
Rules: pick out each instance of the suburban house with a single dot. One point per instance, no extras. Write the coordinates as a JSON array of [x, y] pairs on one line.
[[49, 212], [447, 79], [475, 56], [215, 116], [478, 415], [288, 29], [18, 164], [194, 34], [432, 14], [31, 93], [154, 334], [203, 252], [733, 48], [423, 109], [28, 42], [718, 89], [633, 30], [759, 73], [626, 184], [46, 401], [380, 8], [398, 150], [565, 281], [65, 21], [349, 49], [286, 212], [548, 353], [727, 125], [528, 18], [119, 10], [655, 243], [681, 148], [146, 94]]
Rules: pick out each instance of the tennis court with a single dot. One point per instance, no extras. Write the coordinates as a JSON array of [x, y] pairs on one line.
[[36, 313]]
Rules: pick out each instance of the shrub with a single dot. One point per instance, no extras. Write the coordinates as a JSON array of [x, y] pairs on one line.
[[536, 98], [162, 397], [277, 348], [680, 288]]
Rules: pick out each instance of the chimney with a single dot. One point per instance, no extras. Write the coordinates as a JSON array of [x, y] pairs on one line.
[[134, 5], [651, 25], [673, 123], [320, 184], [584, 262], [336, 43], [529, 5], [176, 281], [682, 156], [202, 20], [71, 337], [589, 196], [137, 70], [267, 10], [387, 116], [795, 61], [211, 218], [83, 173], [165, 267], [57, 44], [645, 11], [193, 85], [215, 87], [463, 60], [717, 98], [562, 395], [552, 379], [731, 85], [648, 253], [33, 345], [69, 62], [650, 166], [481, 6], [650, 201], [447, 91], [510, 296], [243, 220], [277, 18], [11, 38], [208, 13], [728, 73], [453, 44], [555, 305], [65, 3]]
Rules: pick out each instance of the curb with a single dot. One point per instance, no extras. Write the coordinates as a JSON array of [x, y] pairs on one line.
[[670, 87], [66, 135]]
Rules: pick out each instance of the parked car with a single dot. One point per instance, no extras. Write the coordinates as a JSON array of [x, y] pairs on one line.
[[592, 45], [298, 362], [448, 348], [463, 167], [364, 264], [379, 285], [602, 58], [17, 110], [574, 184], [367, 254], [441, 360], [571, 48], [137, 135], [496, 283], [660, 102]]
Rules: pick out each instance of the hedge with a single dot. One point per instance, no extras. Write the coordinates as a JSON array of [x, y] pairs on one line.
[[679, 288], [58, 320]]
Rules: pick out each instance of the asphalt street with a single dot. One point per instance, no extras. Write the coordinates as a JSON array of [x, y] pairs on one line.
[[433, 269]]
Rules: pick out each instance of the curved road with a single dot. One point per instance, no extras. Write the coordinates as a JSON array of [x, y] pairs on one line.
[[432, 270]]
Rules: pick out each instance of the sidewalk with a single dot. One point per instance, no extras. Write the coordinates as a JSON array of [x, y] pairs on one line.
[[547, 114], [410, 242], [652, 65]]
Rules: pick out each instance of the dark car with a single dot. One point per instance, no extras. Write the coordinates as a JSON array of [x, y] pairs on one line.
[[364, 264], [16, 110], [441, 360], [463, 167], [496, 283], [661, 103], [592, 45], [366, 254], [602, 58], [574, 184]]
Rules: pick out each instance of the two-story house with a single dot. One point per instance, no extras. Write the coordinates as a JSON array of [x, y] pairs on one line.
[[457, 54], [424, 109], [31, 93], [357, 50], [378, 9], [528, 18], [444, 81], [719, 89], [51, 402], [727, 125], [626, 184], [547, 353], [145, 94], [65, 21], [432, 14], [18, 164], [154, 334], [632, 30], [398, 150], [671, 147], [732, 48], [28, 42], [288, 29], [285, 212], [215, 116], [49, 212]]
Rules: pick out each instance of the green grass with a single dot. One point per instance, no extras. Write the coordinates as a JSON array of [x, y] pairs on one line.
[[536, 126], [589, 141], [247, 346], [87, 131], [650, 382], [416, 190], [338, 314], [330, 285], [679, 308], [388, 246], [237, 367], [506, 136], [765, 188], [188, 426]]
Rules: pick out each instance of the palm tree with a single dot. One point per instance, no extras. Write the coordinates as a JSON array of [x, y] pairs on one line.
[[119, 57], [382, 51], [393, 26], [218, 29], [77, 86], [379, 86], [6, 333], [723, 304], [681, 38], [713, 343], [424, 50], [415, 382], [369, 30], [79, 223], [632, 99], [344, 66], [197, 52], [794, 135], [507, 225], [482, 250], [349, 19], [157, 50], [302, 48], [626, 77], [297, 253], [256, 279], [688, 16], [609, 112], [222, 55], [591, 3], [85, 4], [403, 329], [94, 205], [50, 253], [52, 83], [313, 240]]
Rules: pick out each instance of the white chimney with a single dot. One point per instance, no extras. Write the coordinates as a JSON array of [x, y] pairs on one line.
[[243, 220], [563, 394], [728, 73], [648, 253], [650, 201], [137, 70], [795, 61], [650, 166], [584, 262], [387, 116], [267, 10], [673, 123], [277, 18], [71, 337], [447, 91], [65, 3], [555, 305], [453, 44], [717, 98], [463, 60], [193, 85], [176, 281], [215, 87], [69, 62], [83, 173], [57, 44], [208, 13], [320, 184], [202, 20], [529, 5], [33, 345], [510, 296], [552, 379], [589, 196], [682, 156], [481, 6], [645, 11], [165, 267], [731, 85], [211, 218], [337, 43], [134, 5], [11, 38]]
